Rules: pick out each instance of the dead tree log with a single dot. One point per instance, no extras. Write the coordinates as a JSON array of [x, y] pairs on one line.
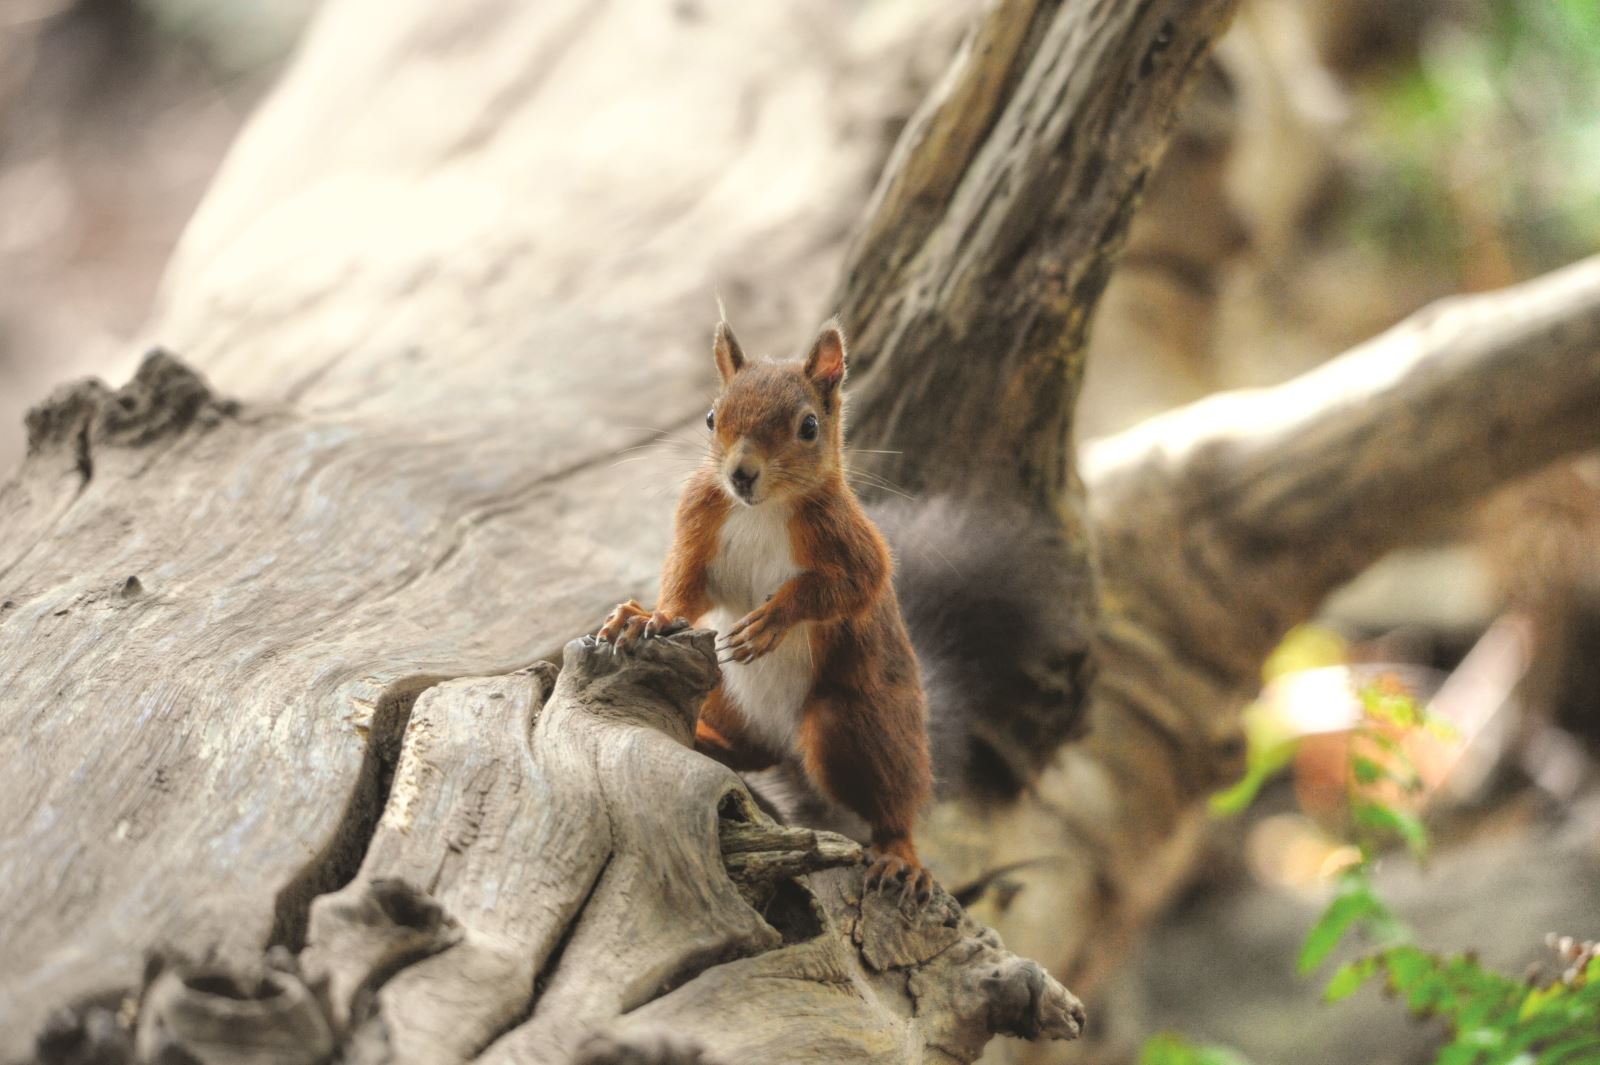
[[229, 631], [217, 616], [545, 867], [1219, 527], [557, 873], [992, 234], [986, 247]]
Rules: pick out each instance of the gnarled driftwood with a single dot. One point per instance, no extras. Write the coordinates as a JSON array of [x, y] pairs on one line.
[[251, 634]]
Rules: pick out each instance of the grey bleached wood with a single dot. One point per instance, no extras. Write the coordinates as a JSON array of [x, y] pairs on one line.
[[993, 231], [260, 1014], [664, 922], [585, 833], [473, 872], [1219, 527], [443, 309], [760, 856], [875, 986], [1362, 454], [399, 284], [969, 289], [570, 873], [440, 324], [615, 744]]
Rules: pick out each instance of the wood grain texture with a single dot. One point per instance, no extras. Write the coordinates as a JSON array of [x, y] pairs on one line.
[[1365, 453], [469, 882], [1209, 557], [554, 876], [454, 270], [440, 309], [969, 290], [994, 230]]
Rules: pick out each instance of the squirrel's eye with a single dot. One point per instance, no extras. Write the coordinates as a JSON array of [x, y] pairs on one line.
[[808, 427], [711, 419]]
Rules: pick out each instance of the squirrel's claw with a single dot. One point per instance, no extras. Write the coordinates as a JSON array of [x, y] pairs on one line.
[[754, 635], [661, 625], [630, 623], [632, 630], [914, 881], [616, 620]]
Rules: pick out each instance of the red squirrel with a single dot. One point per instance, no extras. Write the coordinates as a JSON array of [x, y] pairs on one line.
[[772, 547]]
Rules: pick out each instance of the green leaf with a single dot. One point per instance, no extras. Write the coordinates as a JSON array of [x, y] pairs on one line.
[[1386, 819], [1348, 978], [1271, 745], [1369, 771], [1408, 967], [1366, 770], [1353, 904], [1391, 706], [1305, 647], [1458, 1055], [1383, 741], [1486, 1038], [1170, 1049], [1579, 1050], [1538, 999], [1262, 766]]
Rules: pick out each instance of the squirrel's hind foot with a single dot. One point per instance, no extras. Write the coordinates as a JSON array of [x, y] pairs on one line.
[[886, 872]]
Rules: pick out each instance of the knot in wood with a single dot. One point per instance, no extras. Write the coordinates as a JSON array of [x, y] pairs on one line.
[[164, 398], [681, 669]]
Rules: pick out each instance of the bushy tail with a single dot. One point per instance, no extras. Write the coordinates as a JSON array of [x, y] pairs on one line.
[[1001, 626]]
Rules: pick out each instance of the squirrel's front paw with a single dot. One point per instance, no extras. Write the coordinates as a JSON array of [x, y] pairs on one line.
[[753, 636], [630, 622], [617, 620]]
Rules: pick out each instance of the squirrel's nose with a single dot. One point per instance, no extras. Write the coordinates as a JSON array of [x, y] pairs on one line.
[[744, 480]]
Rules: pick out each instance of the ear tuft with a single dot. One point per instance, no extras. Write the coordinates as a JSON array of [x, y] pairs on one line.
[[825, 366], [725, 346]]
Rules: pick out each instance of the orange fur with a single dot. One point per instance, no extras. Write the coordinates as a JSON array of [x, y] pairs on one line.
[[721, 733], [694, 544], [861, 733]]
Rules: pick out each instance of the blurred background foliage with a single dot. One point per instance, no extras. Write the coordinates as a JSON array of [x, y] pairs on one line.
[[1479, 155]]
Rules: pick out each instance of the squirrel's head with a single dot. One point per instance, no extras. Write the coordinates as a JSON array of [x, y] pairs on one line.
[[777, 428]]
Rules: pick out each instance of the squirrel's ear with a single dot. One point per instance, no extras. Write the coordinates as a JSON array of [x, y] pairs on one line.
[[825, 364], [730, 359]]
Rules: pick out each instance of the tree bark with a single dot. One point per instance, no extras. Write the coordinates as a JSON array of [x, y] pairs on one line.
[[269, 648], [446, 305], [218, 616], [1219, 527], [991, 236], [969, 289]]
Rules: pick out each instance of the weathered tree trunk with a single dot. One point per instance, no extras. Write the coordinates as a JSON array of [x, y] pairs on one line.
[[463, 258], [458, 265], [1219, 527], [986, 247]]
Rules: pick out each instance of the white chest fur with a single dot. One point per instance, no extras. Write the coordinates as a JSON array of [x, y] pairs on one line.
[[754, 558]]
